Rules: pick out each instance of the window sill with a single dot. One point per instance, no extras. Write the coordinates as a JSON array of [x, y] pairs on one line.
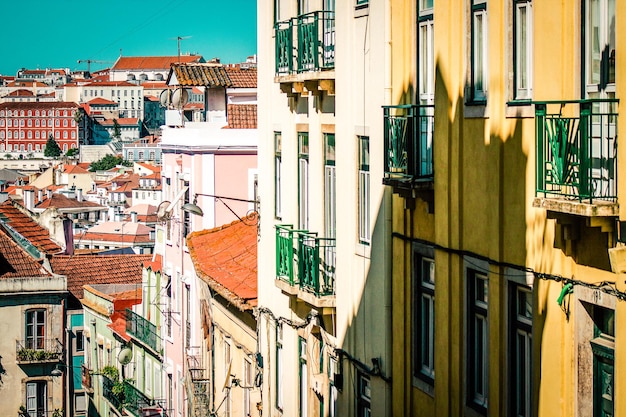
[[363, 250], [424, 386], [520, 109], [361, 10]]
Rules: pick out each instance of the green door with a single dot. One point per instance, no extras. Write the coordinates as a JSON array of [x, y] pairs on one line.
[[603, 377]]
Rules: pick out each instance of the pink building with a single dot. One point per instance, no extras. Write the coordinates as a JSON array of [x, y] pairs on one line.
[[213, 165]]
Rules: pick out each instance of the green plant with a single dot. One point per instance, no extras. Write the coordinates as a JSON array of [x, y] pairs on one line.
[[22, 412], [111, 372], [58, 412], [52, 148]]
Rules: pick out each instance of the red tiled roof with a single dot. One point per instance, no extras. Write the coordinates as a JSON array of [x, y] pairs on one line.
[[48, 105], [27, 227], [26, 84], [152, 62], [242, 116], [155, 264], [122, 121], [20, 92], [57, 200], [16, 263], [98, 269], [99, 101], [226, 259], [242, 77], [75, 169]]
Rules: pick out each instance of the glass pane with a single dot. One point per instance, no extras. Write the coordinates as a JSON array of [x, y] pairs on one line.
[[428, 271], [522, 46], [364, 153], [329, 149], [481, 288], [594, 42], [611, 42], [524, 303], [478, 52]]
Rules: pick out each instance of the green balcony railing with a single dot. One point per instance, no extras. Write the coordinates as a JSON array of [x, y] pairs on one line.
[[309, 39], [408, 142], [38, 350], [111, 393], [284, 47], [577, 149], [135, 400], [305, 260], [316, 264], [144, 330]]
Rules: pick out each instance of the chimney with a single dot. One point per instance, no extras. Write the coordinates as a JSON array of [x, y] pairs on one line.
[[39, 195], [48, 193], [133, 216], [79, 194], [68, 231], [29, 197]]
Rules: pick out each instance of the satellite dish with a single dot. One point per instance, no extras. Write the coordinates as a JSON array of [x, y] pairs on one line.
[[180, 96], [162, 213], [125, 356], [165, 98]]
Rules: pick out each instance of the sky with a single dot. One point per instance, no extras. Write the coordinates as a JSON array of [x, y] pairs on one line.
[[56, 34]]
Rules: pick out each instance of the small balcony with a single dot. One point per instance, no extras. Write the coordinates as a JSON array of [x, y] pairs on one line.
[[576, 161], [112, 393], [305, 52], [143, 330], [408, 142], [86, 378], [33, 351], [305, 265]]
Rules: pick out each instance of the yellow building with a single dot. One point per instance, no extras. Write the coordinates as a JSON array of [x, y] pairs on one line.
[[500, 148]]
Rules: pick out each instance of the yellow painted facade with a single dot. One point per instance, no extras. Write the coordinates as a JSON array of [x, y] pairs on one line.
[[481, 213]]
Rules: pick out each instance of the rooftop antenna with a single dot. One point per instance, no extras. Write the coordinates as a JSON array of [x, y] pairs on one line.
[[178, 39]]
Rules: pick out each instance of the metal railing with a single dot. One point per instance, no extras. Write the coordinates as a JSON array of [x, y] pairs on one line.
[[38, 350], [110, 394], [577, 149], [309, 39], [143, 330], [408, 142], [310, 265]]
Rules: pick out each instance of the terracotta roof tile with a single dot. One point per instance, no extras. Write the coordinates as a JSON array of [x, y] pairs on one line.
[[27, 227], [226, 259], [98, 269], [60, 201], [16, 263], [242, 116], [206, 74], [99, 101], [152, 62], [242, 77]]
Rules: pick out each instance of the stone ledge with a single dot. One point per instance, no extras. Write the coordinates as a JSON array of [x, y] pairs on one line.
[[596, 209]]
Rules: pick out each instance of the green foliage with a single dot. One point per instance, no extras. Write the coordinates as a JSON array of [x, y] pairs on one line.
[[36, 355], [108, 162], [112, 372], [52, 148], [8, 156], [72, 152]]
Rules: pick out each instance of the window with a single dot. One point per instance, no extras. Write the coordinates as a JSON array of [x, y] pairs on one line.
[[304, 377], [36, 398], [332, 371], [603, 348], [424, 314], [80, 403], [599, 48], [140, 156], [477, 341], [303, 179], [522, 49], [330, 215], [279, 366], [520, 342], [363, 396], [426, 53], [364, 189], [247, 382], [57, 123], [479, 42], [278, 166], [35, 329], [227, 365], [64, 122]]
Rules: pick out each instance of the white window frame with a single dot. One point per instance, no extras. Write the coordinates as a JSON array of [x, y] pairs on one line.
[[278, 168], [479, 51], [364, 191], [523, 49], [303, 181], [606, 40], [426, 52]]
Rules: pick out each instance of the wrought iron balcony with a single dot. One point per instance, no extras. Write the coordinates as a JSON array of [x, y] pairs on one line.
[[143, 330], [408, 141], [136, 401], [310, 266], [111, 392], [309, 39], [38, 350], [577, 150]]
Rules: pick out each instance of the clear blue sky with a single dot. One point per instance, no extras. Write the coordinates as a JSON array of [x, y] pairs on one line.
[[56, 34]]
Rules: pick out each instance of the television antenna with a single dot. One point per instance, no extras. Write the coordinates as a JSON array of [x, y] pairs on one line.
[[178, 39]]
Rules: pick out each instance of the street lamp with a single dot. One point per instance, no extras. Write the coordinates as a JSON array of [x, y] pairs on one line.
[[193, 208]]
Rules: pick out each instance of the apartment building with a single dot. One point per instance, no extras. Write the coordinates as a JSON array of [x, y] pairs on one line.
[[324, 252], [500, 150], [25, 127]]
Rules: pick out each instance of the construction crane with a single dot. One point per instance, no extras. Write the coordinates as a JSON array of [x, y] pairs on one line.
[[89, 62]]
